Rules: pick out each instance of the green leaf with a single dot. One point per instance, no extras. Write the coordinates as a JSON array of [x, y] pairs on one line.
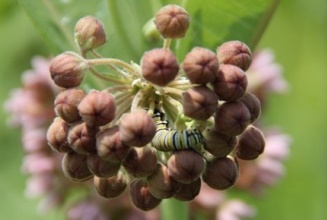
[[125, 22], [214, 22], [55, 20]]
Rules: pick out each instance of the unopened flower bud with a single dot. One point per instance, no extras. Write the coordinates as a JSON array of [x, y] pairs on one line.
[[221, 173], [66, 104], [97, 108], [75, 167], [162, 185], [231, 83], [199, 103], [159, 66], [57, 136], [81, 138], [109, 145], [251, 144], [141, 196], [218, 144], [185, 166], [111, 187], [189, 191], [200, 65], [102, 168], [141, 162], [67, 69], [236, 53], [172, 21], [137, 128], [253, 104], [232, 118], [89, 33]]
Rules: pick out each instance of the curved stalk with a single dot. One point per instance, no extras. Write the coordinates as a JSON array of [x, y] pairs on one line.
[[172, 209]]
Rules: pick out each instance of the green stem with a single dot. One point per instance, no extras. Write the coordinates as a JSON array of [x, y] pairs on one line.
[[167, 43], [111, 61], [172, 209], [107, 79]]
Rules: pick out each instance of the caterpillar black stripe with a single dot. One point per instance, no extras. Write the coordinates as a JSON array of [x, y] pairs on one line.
[[167, 139]]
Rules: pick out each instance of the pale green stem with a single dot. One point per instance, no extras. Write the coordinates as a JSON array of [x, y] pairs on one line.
[[174, 93], [172, 209], [105, 78], [111, 61], [167, 43], [118, 88]]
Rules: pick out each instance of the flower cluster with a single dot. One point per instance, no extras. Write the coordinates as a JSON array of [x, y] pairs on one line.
[[159, 127]]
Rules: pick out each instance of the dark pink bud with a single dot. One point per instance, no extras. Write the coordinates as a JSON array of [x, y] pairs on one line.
[[141, 162], [159, 66], [141, 196], [66, 104], [97, 108], [236, 53], [81, 138], [232, 118], [75, 167], [221, 173], [253, 104], [111, 187], [218, 144], [200, 65], [137, 128], [251, 144], [57, 136], [199, 103], [231, 83], [110, 146], [162, 185], [102, 168], [172, 21], [67, 69], [189, 191], [185, 166], [89, 33]]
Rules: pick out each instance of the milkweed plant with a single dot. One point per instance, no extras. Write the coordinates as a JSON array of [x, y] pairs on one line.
[[150, 131]]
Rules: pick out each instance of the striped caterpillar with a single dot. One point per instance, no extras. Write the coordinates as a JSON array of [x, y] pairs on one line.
[[167, 139]]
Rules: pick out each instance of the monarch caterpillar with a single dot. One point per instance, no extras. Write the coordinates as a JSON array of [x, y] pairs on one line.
[[167, 139]]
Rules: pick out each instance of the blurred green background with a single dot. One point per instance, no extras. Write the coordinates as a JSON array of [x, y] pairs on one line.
[[298, 36]]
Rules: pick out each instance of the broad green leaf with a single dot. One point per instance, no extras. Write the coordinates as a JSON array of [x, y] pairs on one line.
[[55, 19], [125, 23], [216, 21]]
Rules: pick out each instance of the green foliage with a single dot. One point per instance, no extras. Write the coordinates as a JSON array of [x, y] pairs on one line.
[[242, 20]]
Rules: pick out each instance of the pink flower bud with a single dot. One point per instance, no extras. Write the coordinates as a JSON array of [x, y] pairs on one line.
[[66, 104], [137, 128], [172, 21], [199, 103], [97, 108], [236, 53], [89, 33], [231, 83], [67, 69], [159, 66], [200, 65]]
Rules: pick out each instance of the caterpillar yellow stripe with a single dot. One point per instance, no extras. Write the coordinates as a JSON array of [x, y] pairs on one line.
[[167, 139]]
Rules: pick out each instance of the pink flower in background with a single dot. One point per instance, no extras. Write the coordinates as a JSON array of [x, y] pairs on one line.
[[235, 209], [265, 75]]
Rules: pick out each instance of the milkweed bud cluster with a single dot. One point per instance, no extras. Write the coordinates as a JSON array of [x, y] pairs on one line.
[[162, 127]]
